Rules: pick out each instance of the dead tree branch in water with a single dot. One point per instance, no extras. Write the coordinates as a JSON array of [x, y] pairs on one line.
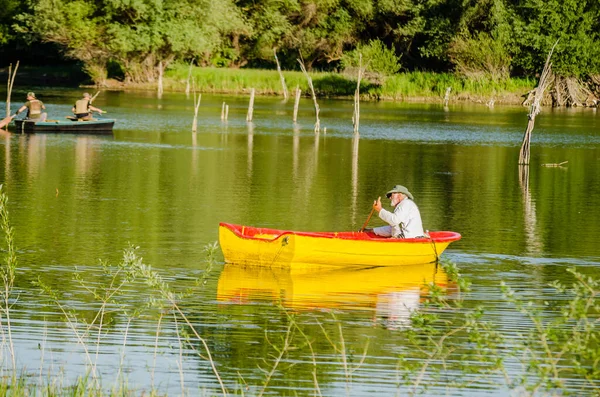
[[196, 107], [281, 78], [9, 86], [570, 91], [545, 81], [356, 114], [314, 96]]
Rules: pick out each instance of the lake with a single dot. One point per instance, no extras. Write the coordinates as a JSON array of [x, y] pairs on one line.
[[77, 202]]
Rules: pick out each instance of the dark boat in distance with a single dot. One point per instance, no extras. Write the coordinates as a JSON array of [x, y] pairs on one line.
[[70, 126]]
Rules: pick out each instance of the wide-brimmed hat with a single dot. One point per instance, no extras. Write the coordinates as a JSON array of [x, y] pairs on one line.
[[399, 189], [31, 94]]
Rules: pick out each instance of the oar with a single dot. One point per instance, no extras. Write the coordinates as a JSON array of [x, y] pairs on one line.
[[367, 221], [6, 120], [94, 97]]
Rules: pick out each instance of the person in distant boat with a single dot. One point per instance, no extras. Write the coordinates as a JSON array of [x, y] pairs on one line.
[[83, 108], [405, 221], [34, 108]]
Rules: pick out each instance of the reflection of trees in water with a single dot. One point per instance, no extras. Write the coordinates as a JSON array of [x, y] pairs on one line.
[[35, 145], [304, 176], [84, 155], [194, 165], [533, 242]]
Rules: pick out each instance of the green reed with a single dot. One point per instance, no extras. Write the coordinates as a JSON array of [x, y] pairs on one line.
[[7, 272]]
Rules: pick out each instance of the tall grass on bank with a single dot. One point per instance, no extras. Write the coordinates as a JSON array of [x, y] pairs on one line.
[[237, 81], [400, 86], [447, 346], [434, 85]]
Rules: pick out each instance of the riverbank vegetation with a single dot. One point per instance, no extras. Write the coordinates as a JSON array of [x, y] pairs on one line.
[[486, 41], [416, 85], [448, 343]]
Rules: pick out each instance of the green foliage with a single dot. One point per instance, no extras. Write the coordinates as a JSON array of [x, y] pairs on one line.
[[144, 33], [480, 49], [567, 345], [271, 23], [75, 26], [138, 35], [427, 84], [487, 39], [376, 57], [9, 265], [480, 57], [8, 9], [398, 86], [537, 26]]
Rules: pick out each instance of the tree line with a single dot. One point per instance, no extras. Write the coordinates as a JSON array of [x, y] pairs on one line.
[[133, 39]]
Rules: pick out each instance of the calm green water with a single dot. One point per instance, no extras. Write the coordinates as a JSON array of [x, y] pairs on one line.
[[76, 199]]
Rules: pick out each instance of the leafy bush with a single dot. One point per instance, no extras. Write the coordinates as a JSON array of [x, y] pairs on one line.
[[480, 57], [375, 56]]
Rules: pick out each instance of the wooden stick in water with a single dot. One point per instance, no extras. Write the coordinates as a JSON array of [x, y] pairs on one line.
[[296, 103], [250, 106], [281, 78], [196, 106], [554, 164]]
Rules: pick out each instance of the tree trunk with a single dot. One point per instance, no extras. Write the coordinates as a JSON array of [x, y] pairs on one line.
[[160, 79], [524, 154]]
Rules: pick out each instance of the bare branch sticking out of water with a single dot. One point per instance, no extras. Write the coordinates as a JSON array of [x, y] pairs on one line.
[[196, 107], [9, 86], [447, 96], [555, 164], [314, 96], [296, 104], [281, 78], [356, 114], [545, 81]]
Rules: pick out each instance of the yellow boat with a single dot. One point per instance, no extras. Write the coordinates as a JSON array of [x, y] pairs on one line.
[[393, 292], [247, 245]]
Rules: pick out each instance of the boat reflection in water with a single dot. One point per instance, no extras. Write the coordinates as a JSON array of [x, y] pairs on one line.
[[393, 293]]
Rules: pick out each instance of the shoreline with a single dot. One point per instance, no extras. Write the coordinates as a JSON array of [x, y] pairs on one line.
[[171, 86], [414, 87]]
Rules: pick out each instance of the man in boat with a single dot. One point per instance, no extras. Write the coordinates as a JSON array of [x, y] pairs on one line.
[[34, 108], [83, 108], [405, 221]]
